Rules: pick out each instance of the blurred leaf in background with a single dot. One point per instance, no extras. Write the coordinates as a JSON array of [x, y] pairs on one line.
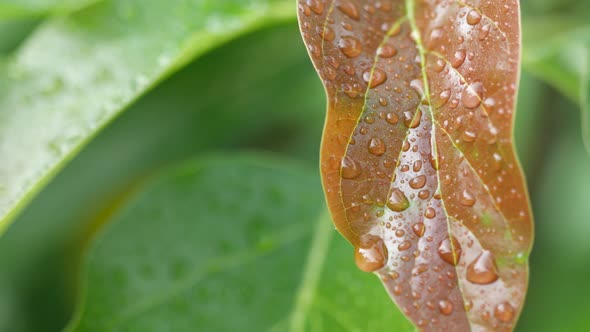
[[254, 88]]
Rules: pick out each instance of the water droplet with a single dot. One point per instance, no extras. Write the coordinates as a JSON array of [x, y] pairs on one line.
[[450, 250], [419, 229], [467, 198], [417, 166], [471, 96], [445, 307], [483, 269], [473, 17], [371, 254], [458, 58], [397, 201], [424, 194], [430, 213], [376, 78], [418, 182], [404, 246], [349, 9], [376, 147], [412, 120], [317, 6], [327, 34], [445, 95], [504, 312], [392, 118], [350, 46], [387, 51], [469, 136], [484, 32], [350, 168], [439, 65]]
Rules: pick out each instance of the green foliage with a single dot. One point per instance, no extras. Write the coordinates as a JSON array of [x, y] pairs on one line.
[[179, 91]]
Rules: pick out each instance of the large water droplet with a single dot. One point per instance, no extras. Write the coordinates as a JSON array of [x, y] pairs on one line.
[[483, 269], [376, 146], [349, 9], [467, 199], [387, 51], [418, 182], [412, 120], [419, 229], [504, 312], [458, 58], [397, 201], [350, 168], [471, 96], [350, 46], [376, 78], [450, 250], [405, 245], [473, 17], [371, 254], [317, 6]]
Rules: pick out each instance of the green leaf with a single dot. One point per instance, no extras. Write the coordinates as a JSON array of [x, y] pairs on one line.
[[75, 74], [198, 117], [557, 49], [243, 235]]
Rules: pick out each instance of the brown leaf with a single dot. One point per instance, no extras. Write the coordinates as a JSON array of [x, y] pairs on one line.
[[417, 157]]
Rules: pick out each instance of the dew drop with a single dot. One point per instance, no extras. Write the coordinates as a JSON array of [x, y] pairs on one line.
[[445, 95], [467, 198], [387, 51], [419, 229], [445, 307], [482, 270], [376, 78], [458, 58], [469, 136], [392, 118], [317, 6], [350, 168], [404, 246], [397, 201], [349, 9], [439, 65], [412, 120], [504, 312], [417, 166], [450, 252], [430, 213], [418, 182], [371, 254], [327, 34], [473, 17], [350, 46], [376, 147], [471, 96]]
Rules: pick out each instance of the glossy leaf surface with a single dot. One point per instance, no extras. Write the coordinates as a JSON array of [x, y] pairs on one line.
[[417, 157], [187, 254]]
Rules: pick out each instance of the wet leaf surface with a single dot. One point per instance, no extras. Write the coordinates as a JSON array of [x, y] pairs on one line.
[[417, 157]]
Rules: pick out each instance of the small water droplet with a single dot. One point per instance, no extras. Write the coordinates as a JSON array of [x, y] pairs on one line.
[[350, 168], [376, 147], [350, 46], [445, 307], [469, 136], [371, 254], [397, 201], [327, 33], [504, 312], [439, 65], [349, 9], [450, 250], [467, 198], [418, 182], [430, 213], [482, 270], [473, 17], [412, 120], [392, 118], [458, 58]]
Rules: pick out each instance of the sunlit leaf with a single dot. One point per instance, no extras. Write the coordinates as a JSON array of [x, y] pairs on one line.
[[186, 252], [417, 157]]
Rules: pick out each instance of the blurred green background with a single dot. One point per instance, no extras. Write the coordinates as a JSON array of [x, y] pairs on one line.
[[257, 91]]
